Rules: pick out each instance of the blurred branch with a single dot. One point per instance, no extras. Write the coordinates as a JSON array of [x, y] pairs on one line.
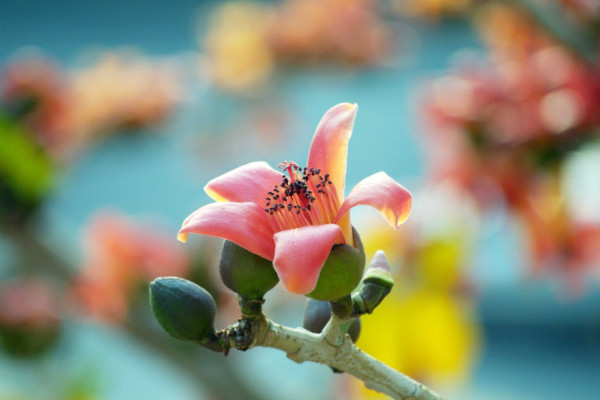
[[33, 253], [582, 42], [209, 371], [209, 368]]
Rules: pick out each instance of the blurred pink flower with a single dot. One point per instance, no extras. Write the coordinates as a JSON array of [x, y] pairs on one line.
[[502, 131], [119, 91], [122, 255], [245, 40], [317, 30], [30, 317], [65, 111], [37, 91], [28, 304], [432, 9], [296, 220]]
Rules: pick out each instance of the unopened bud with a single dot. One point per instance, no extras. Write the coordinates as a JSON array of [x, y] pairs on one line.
[[185, 310], [377, 284], [379, 270]]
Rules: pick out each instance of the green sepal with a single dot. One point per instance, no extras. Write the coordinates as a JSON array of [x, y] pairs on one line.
[[246, 273], [184, 310], [380, 276], [342, 271]]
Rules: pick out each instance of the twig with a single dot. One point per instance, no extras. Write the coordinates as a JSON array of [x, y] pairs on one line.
[[333, 347]]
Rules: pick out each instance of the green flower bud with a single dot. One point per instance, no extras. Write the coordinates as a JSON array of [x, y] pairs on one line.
[[184, 310], [377, 284], [342, 271], [316, 315], [379, 271], [245, 273]]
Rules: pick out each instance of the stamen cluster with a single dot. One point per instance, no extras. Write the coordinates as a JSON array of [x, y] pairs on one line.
[[307, 197]]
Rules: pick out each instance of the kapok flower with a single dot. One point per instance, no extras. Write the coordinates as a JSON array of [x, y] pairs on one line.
[[295, 219]]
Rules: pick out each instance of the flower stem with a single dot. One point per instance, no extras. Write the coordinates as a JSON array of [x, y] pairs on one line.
[[301, 345]]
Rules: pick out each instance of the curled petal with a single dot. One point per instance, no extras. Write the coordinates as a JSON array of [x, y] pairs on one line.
[[250, 182], [382, 192], [301, 253], [244, 224], [329, 147]]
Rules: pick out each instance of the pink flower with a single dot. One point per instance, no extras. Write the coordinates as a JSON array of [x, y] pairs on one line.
[[295, 220], [120, 255]]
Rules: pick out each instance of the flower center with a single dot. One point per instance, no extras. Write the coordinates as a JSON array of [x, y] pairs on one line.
[[304, 197]]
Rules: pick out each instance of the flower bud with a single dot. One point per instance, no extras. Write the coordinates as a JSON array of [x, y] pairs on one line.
[[246, 273], [184, 310], [342, 271], [379, 271], [377, 284], [316, 315]]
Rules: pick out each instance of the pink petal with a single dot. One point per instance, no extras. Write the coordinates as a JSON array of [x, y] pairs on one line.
[[245, 224], [329, 147], [250, 182], [382, 192], [301, 253]]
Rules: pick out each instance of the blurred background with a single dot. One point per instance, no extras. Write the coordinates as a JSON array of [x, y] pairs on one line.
[[113, 116]]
